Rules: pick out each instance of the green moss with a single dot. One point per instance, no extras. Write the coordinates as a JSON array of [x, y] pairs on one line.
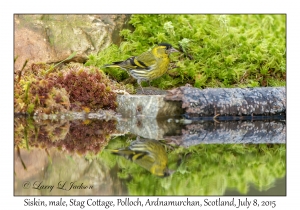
[[109, 55], [30, 109], [217, 50]]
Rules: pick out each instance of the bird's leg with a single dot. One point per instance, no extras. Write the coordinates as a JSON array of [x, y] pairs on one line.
[[139, 82]]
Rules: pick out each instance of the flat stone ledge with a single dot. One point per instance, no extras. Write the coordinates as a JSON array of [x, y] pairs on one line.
[[152, 106]]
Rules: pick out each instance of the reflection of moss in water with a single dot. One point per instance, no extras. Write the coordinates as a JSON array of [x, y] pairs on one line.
[[88, 137], [73, 136], [210, 170], [110, 159]]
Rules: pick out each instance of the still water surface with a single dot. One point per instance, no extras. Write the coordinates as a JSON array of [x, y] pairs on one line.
[[202, 158]]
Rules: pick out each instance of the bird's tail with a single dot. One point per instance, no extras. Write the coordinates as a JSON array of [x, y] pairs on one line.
[[129, 154], [125, 153], [114, 64], [109, 65]]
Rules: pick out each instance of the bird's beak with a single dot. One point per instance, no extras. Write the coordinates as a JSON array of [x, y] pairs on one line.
[[168, 172], [173, 50]]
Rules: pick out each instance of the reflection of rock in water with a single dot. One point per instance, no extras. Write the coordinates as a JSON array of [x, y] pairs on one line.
[[60, 172], [147, 127], [233, 132], [74, 136]]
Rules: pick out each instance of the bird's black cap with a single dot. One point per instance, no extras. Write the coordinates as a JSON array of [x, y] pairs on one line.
[[168, 46]]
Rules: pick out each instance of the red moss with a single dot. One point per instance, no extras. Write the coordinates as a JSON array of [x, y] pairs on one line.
[[89, 89], [84, 87]]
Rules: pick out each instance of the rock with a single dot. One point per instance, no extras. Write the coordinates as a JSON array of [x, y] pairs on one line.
[[53, 38], [230, 101], [149, 106]]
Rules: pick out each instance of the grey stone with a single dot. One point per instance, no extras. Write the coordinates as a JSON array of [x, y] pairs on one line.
[[148, 106], [52, 38], [230, 101]]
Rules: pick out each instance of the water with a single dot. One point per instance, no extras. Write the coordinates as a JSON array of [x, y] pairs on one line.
[[206, 158]]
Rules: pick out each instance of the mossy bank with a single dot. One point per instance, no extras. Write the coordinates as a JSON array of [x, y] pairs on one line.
[[217, 50]]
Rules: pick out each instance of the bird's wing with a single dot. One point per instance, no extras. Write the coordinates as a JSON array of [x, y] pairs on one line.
[[145, 60], [145, 161], [129, 154]]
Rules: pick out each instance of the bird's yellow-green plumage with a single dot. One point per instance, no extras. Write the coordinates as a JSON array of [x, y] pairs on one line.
[[149, 65], [149, 154]]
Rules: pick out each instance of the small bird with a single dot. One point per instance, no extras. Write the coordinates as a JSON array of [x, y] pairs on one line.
[[149, 154], [149, 65]]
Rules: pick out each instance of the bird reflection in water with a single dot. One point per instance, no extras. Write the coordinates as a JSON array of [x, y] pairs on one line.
[[148, 153]]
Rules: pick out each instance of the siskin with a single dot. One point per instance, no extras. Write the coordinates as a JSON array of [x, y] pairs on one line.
[[149, 154], [149, 65]]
